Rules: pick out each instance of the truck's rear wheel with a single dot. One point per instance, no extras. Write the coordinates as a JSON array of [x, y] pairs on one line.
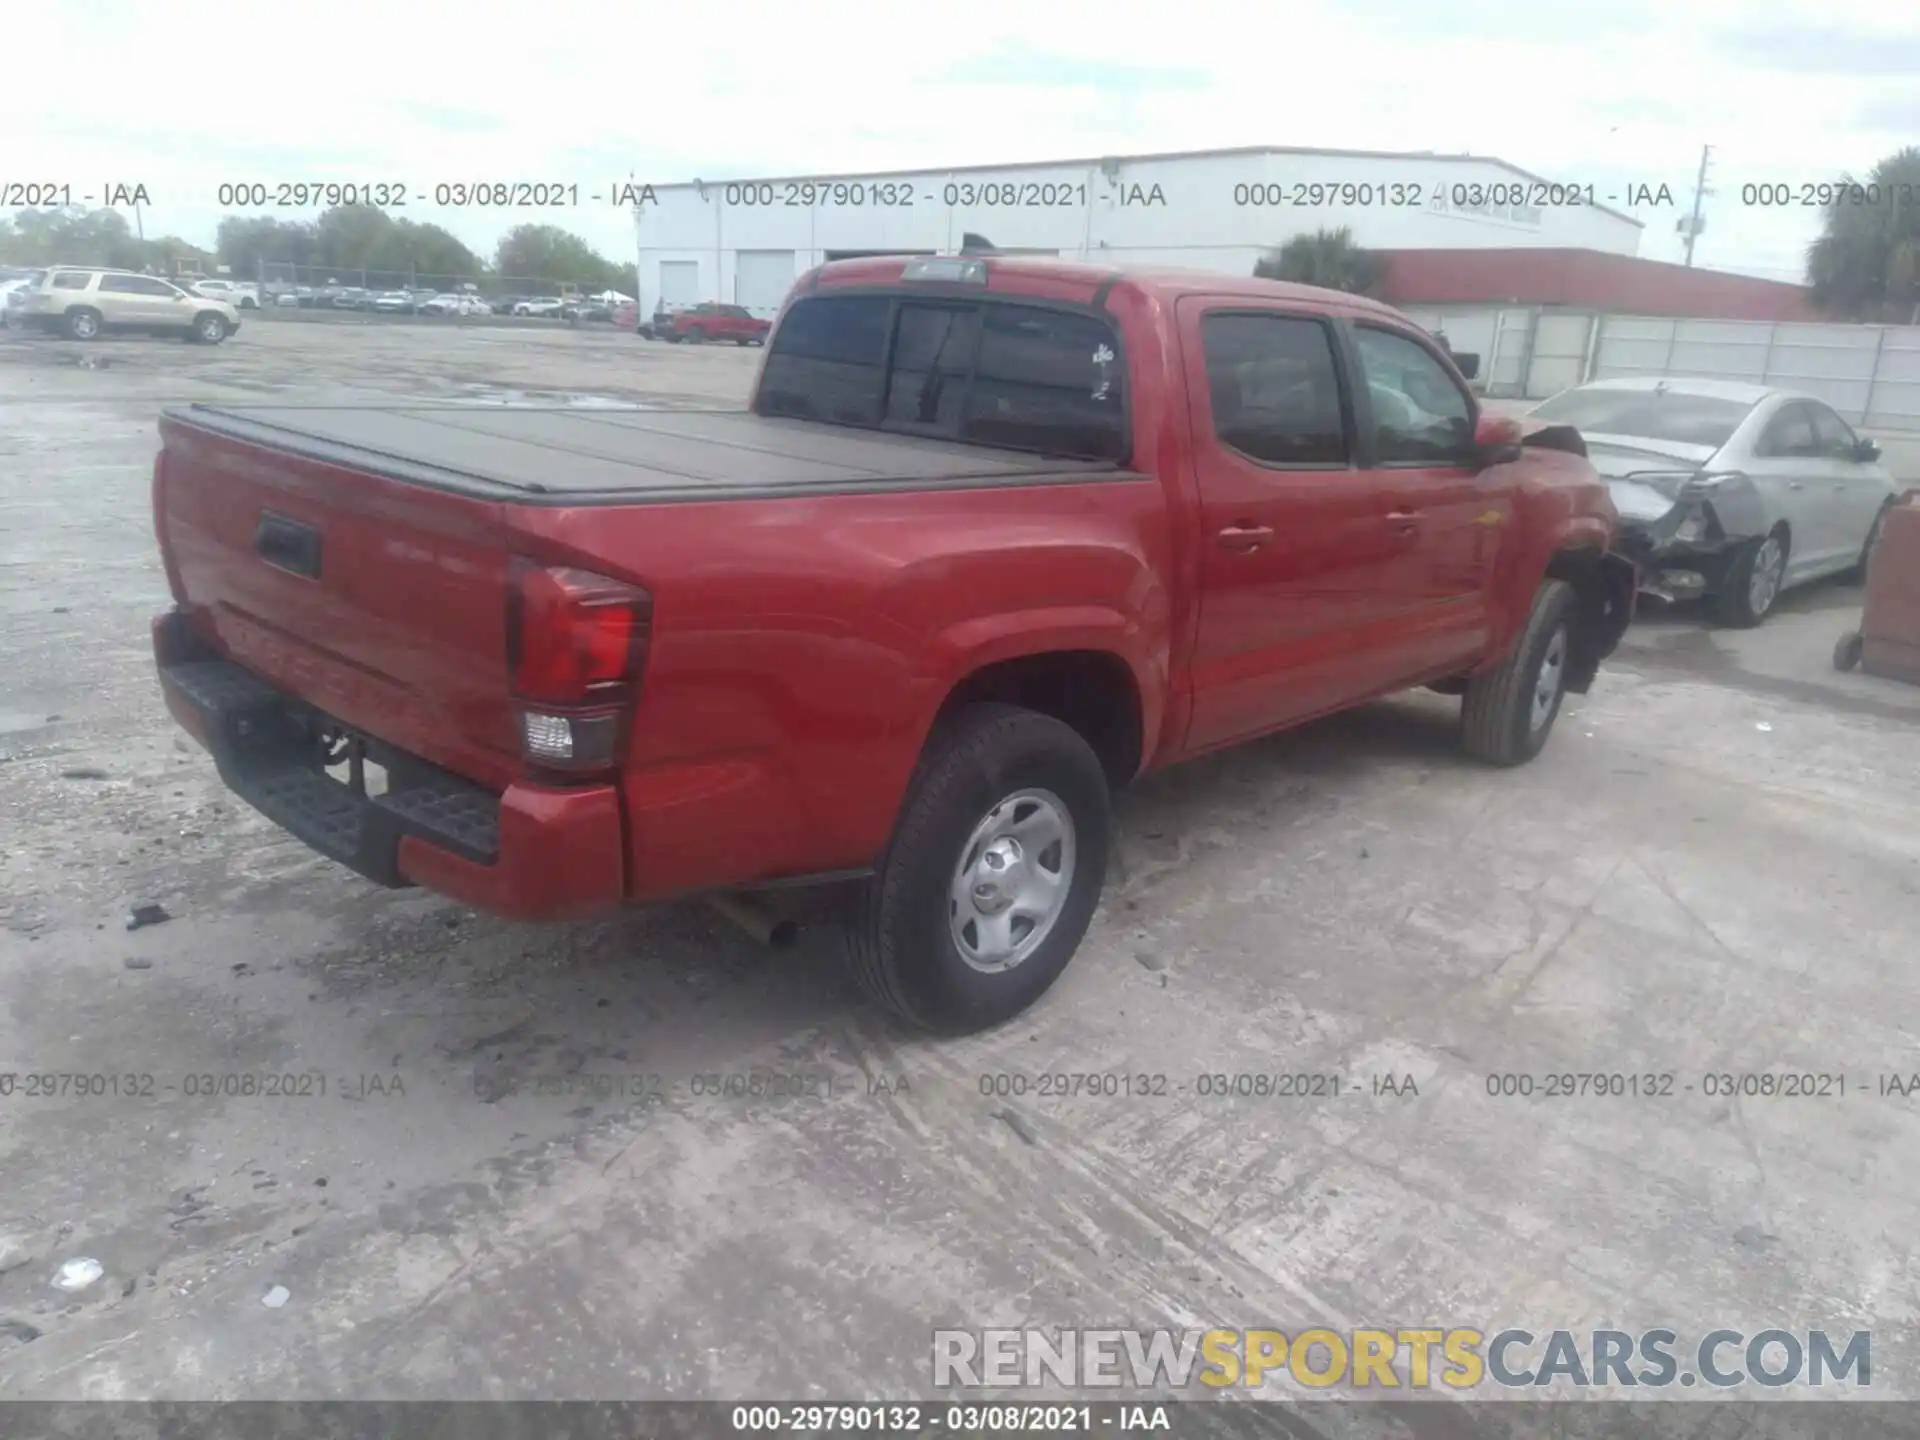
[[1509, 711], [992, 875]]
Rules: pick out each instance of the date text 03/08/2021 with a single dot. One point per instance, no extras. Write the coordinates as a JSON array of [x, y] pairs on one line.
[[446, 194]]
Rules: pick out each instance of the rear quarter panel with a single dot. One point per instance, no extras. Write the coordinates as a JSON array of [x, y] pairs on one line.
[[802, 647]]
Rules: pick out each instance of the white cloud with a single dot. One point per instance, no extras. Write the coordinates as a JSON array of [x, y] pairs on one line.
[[187, 96]]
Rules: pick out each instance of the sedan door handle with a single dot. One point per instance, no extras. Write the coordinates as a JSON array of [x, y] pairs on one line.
[[1246, 537], [1404, 521], [1795, 485]]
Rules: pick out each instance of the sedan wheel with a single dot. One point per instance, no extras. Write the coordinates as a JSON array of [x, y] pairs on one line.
[[1753, 582]]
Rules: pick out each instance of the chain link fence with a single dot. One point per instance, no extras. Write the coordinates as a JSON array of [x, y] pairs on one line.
[[277, 277]]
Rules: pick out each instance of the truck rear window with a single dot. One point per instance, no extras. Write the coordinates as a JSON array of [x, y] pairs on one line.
[[1023, 377]]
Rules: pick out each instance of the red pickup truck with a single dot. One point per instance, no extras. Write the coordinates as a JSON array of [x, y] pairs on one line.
[[713, 322], [995, 536]]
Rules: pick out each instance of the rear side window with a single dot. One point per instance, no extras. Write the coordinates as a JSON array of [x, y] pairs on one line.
[[69, 280], [1047, 381], [1025, 377], [1275, 391]]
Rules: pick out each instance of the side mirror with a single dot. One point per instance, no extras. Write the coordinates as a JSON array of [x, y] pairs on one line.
[[1496, 439], [1866, 451], [1467, 365]]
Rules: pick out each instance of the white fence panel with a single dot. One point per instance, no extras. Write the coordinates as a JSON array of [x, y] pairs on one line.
[[1869, 373], [1834, 362], [1559, 353], [1893, 401], [1632, 345]]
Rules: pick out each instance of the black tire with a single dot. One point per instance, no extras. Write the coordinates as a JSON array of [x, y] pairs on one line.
[[1498, 714], [1847, 651], [1861, 566], [901, 948], [210, 328], [1733, 602], [81, 323]]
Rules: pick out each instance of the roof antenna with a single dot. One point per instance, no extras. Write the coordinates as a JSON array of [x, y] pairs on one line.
[[972, 244]]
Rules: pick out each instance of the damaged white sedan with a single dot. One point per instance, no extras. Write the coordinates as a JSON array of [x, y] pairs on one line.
[[1731, 491]]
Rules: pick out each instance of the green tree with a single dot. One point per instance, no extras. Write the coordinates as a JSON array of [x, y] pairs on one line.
[[1866, 263], [550, 253], [348, 240], [1327, 258], [74, 235]]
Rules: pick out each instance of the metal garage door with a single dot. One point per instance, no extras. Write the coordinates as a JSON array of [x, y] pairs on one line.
[[680, 283], [761, 279]]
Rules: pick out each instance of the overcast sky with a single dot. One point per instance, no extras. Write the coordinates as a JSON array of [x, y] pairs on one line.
[[184, 96]]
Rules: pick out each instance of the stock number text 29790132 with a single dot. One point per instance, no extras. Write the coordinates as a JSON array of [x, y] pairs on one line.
[[396, 194], [1139, 1085]]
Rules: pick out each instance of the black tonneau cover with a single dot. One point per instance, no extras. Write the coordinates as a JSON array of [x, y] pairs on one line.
[[568, 455]]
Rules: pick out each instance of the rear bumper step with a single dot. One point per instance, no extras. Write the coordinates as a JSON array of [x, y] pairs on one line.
[[532, 853], [266, 747]]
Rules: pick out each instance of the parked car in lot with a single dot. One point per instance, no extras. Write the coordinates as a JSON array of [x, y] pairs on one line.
[[627, 316], [1733, 491], [83, 304], [13, 295], [715, 322], [544, 307], [242, 294], [392, 302], [456, 305], [994, 537]]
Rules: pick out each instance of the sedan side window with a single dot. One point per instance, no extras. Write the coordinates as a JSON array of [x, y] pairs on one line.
[[1832, 434], [1789, 434], [1420, 415]]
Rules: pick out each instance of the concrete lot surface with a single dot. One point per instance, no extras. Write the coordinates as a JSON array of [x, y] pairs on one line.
[[517, 1182]]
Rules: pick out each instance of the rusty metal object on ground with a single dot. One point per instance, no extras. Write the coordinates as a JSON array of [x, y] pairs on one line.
[[1890, 627]]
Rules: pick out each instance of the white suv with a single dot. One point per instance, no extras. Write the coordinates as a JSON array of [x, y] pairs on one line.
[[241, 294], [82, 304]]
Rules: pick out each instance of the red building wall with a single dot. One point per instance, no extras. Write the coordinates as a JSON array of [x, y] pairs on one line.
[[1587, 280]]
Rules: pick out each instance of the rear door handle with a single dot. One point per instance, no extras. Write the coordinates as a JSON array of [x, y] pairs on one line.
[[1404, 520], [1795, 485], [1246, 537]]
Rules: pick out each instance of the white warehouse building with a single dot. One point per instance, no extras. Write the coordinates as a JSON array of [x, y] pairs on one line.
[[744, 242]]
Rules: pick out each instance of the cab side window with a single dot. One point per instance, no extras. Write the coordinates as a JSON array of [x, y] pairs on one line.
[[1420, 415], [1275, 390]]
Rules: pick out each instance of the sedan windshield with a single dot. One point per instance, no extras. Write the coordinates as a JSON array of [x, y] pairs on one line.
[[1673, 416]]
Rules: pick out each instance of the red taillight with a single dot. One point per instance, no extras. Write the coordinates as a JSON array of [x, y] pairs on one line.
[[178, 590], [573, 635], [576, 647]]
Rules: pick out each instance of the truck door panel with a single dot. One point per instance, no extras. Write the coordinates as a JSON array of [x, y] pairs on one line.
[[1296, 548]]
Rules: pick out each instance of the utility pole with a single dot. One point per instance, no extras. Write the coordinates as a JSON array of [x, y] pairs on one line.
[[1693, 225]]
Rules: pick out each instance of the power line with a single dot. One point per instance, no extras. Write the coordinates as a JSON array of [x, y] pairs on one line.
[[1694, 224]]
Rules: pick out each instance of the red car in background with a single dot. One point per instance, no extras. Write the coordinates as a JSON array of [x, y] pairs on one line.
[[703, 324]]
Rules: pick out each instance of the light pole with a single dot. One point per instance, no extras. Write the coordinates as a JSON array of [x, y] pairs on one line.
[[1694, 224]]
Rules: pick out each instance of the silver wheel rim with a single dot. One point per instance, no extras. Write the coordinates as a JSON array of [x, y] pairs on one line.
[[83, 326], [209, 329], [1011, 883], [1764, 583], [1546, 684]]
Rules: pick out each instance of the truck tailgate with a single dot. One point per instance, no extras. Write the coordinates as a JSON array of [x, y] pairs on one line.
[[381, 603]]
